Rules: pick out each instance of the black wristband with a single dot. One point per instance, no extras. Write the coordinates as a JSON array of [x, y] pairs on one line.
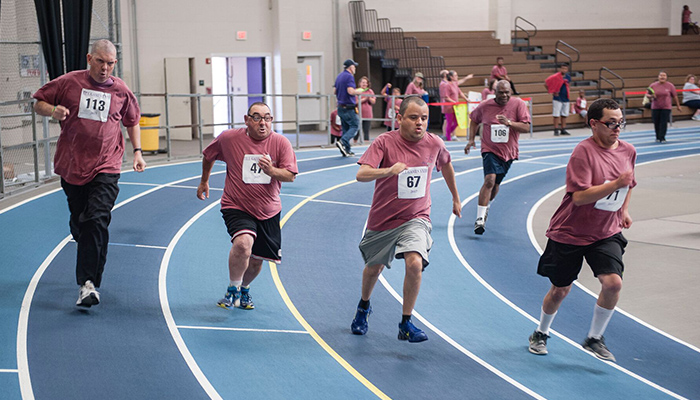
[[138, 149]]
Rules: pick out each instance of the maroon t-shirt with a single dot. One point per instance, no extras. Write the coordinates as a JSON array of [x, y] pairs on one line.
[[664, 94], [592, 165], [247, 188], [91, 141], [495, 137], [401, 198]]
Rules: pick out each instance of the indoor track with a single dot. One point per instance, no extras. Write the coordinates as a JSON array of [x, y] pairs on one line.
[[158, 333]]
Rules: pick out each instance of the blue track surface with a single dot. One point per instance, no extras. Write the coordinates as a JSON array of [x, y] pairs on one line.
[[124, 349]]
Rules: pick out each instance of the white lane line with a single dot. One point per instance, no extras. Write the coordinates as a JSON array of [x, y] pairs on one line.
[[170, 186], [463, 261], [25, 382], [535, 244], [144, 246], [459, 347], [9, 371], [218, 328], [167, 314], [343, 203]]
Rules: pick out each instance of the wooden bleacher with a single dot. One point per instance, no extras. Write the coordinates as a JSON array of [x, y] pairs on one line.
[[637, 55]]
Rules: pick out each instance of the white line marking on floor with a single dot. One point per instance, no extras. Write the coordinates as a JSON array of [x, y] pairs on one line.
[[9, 371], [218, 328]]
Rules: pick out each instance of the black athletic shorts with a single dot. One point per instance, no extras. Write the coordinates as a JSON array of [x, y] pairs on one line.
[[267, 233], [494, 165], [561, 263]]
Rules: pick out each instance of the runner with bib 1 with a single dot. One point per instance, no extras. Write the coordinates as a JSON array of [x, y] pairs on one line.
[[412, 183], [613, 201], [252, 173]]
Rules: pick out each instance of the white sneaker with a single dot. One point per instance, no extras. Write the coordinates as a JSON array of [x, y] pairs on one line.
[[88, 296], [479, 226], [696, 117]]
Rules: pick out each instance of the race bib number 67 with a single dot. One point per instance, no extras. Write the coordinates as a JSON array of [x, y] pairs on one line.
[[252, 173], [412, 183]]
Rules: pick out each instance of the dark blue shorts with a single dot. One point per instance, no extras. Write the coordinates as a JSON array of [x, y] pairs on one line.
[[494, 165]]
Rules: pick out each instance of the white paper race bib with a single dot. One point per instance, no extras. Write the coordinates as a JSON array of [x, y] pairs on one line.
[[613, 201], [391, 113], [338, 121], [499, 133], [94, 105], [252, 173], [583, 103], [412, 183]]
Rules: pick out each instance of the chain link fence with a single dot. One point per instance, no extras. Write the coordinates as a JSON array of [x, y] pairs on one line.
[[27, 141]]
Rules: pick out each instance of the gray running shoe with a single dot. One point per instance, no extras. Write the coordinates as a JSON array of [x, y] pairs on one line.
[[598, 347], [479, 226], [538, 343]]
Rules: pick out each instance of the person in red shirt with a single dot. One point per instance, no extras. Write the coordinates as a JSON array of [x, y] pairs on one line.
[[336, 128], [588, 224], [257, 161], [401, 163], [685, 21], [504, 119], [90, 104], [416, 85]]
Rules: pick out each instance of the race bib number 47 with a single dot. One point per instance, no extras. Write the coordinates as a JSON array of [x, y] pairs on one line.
[[94, 105], [252, 173], [412, 183], [613, 201]]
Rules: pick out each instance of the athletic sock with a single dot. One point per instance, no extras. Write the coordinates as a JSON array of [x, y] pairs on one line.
[[236, 284], [545, 321], [601, 317], [481, 211], [405, 318], [364, 304]]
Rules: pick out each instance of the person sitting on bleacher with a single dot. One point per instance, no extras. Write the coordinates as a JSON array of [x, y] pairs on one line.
[[580, 106], [692, 99]]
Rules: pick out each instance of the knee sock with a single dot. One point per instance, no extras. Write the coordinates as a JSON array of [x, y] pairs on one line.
[[545, 322], [601, 317]]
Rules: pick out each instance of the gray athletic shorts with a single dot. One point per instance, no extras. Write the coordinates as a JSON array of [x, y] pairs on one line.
[[381, 247]]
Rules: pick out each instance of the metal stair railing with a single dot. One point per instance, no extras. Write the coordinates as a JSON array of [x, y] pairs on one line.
[[602, 79], [393, 47], [558, 51], [527, 34]]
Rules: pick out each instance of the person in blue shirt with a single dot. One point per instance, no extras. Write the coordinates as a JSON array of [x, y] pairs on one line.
[[345, 92], [558, 86]]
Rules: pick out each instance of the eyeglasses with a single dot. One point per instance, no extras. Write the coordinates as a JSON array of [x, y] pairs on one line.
[[257, 118], [614, 125]]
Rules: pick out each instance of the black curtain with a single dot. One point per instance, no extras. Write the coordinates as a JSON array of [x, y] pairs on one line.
[[48, 13], [76, 28]]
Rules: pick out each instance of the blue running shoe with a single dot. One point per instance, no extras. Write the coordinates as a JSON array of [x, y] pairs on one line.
[[231, 299], [359, 324], [246, 299], [408, 331]]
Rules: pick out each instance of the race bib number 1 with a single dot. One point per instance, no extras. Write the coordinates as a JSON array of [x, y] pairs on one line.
[[613, 201], [412, 183], [94, 105], [252, 173], [499, 133]]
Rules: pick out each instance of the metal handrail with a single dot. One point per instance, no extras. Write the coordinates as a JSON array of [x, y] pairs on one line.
[[558, 51], [518, 28], [602, 78]]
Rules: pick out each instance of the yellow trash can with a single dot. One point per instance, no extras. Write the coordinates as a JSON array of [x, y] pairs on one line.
[[149, 137]]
